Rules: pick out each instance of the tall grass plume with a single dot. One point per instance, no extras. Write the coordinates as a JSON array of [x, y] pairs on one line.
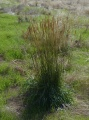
[[49, 40]]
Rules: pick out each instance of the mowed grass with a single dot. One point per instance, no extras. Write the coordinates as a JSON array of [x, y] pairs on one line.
[[14, 61]]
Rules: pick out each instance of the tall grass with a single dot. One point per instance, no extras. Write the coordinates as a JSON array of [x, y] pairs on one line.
[[49, 40]]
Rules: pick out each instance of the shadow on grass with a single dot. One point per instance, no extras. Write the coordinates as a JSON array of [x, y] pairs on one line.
[[31, 114]]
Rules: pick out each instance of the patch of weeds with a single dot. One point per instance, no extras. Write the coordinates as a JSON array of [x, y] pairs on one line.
[[15, 53], [16, 79], [10, 79], [5, 82], [2, 99]]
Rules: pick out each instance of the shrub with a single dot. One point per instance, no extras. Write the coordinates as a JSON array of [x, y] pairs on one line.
[[50, 42]]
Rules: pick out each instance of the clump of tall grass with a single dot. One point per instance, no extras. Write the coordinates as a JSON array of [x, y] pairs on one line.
[[49, 40]]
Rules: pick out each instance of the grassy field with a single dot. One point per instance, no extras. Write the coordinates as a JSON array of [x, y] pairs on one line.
[[15, 68], [11, 59]]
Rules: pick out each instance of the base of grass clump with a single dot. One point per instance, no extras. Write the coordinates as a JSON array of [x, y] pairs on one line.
[[40, 98]]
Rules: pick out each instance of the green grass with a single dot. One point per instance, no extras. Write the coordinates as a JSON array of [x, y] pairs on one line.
[[6, 115], [11, 44], [10, 37], [15, 52]]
